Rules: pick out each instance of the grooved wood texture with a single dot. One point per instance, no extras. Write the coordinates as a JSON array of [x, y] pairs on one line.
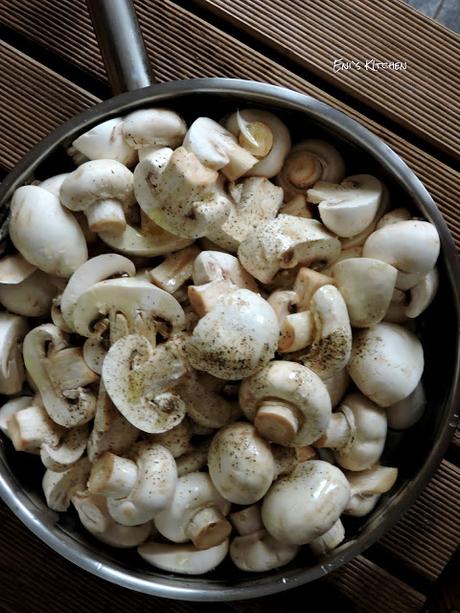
[[183, 46], [33, 101], [425, 98]]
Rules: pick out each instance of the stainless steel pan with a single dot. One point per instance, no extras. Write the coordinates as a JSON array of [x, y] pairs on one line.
[[417, 452]]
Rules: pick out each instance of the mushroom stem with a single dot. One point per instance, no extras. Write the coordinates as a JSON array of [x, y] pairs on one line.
[[256, 137], [247, 520], [277, 421], [29, 428], [113, 476], [208, 528], [303, 169], [204, 297], [297, 332], [175, 270], [106, 216], [68, 370], [338, 433], [306, 284]]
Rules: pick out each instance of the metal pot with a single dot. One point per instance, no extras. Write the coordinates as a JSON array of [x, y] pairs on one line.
[[416, 452]]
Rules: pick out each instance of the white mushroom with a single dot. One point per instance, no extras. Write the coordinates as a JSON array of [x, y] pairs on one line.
[[60, 374], [367, 487], [184, 559], [367, 287], [349, 207], [285, 242], [93, 514], [60, 487], [158, 127], [103, 189], [337, 385], [10, 408], [410, 246], [106, 141], [329, 540], [136, 488], [175, 270], [196, 512], [241, 464], [31, 427], [356, 432], [260, 552], [47, 235], [53, 184], [236, 338], [263, 135], [305, 504], [217, 148], [70, 448], [394, 216], [421, 295], [194, 460], [211, 266], [386, 362], [296, 206], [14, 269], [140, 381], [177, 440], [32, 297], [308, 162], [407, 412], [12, 331], [288, 403]]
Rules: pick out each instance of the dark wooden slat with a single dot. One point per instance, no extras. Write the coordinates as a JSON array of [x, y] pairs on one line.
[[424, 99]]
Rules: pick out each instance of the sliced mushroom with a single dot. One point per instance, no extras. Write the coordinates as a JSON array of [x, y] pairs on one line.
[[59, 488], [407, 412], [185, 559], [106, 141], [12, 331], [288, 403], [46, 234], [285, 242], [367, 487], [175, 270], [329, 540], [71, 447], [158, 127], [10, 408]]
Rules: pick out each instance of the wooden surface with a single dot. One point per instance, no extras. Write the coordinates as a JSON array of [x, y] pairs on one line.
[[50, 68]]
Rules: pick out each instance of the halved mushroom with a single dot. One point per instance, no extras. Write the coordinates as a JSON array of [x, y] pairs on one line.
[[10, 408], [196, 512], [288, 403], [264, 136], [185, 559], [59, 488], [366, 488], [175, 270], [105, 141], [236, 338], [140, 381], [329, 540], [61, 376], [347, 208], [157, 127], [308, 162], [46, 234], [386, 362], [407, 412], [12, 331], [285, 242]]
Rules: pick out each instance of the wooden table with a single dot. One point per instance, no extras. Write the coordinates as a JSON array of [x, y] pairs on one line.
[[50, 69]]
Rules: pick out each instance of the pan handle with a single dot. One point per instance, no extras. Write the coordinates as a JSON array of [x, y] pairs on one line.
[[121, 44]]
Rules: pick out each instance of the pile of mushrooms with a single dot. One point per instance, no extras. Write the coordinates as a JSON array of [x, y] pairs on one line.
[[206, 335]]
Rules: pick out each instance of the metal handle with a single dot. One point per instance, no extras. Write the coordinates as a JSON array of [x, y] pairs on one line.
[[121, 44]]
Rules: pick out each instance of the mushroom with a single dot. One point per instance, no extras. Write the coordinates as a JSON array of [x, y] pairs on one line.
[[347, 208], [177, 440], [10, 408], [263, 135], [337, 385], [60, 375], [129, 306], [153, 127], [14, 269], [94, 352], [303, 505], [105, 141], [260, 551], [218, 149], [140, 380], [386, 362], [53, 184], [356, 432], [111, 431], [408, 411], [45, 233], [421, 295], [241, 464], [70, 448], [308, 162], [193, 460], [288, 403], [31, 427], [285, 242], [175, 270], [32, 297], [256, 201], [366, 488], [60, 487], [12, 331], [287, 458], [92, 271], [180, 194], [247, 520], [103, 189], [296, 206], [196, 512], [394, 216], [236, 338], [410, 246], [185, 559], [329, 540], [137, 487], [93, 514], [367, 287]]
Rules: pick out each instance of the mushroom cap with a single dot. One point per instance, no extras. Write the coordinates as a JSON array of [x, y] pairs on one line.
[[53, 184], [421, 295], [10, 408], [194, 492], [305, 504], [47, 235], [12, 331], [92, 271], [409, 246], [216, 265], [134, 241], [236, 338], [386, 362], [285, 242], [408, 411], [95, 181], [241, 463], [329, 540], [106, 141], [367, 287], [70, 449], [367, 486], [14, 269], [153, 127], [260, 551], [31, 297], [337, 385], [185, 559], [295, 385]]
